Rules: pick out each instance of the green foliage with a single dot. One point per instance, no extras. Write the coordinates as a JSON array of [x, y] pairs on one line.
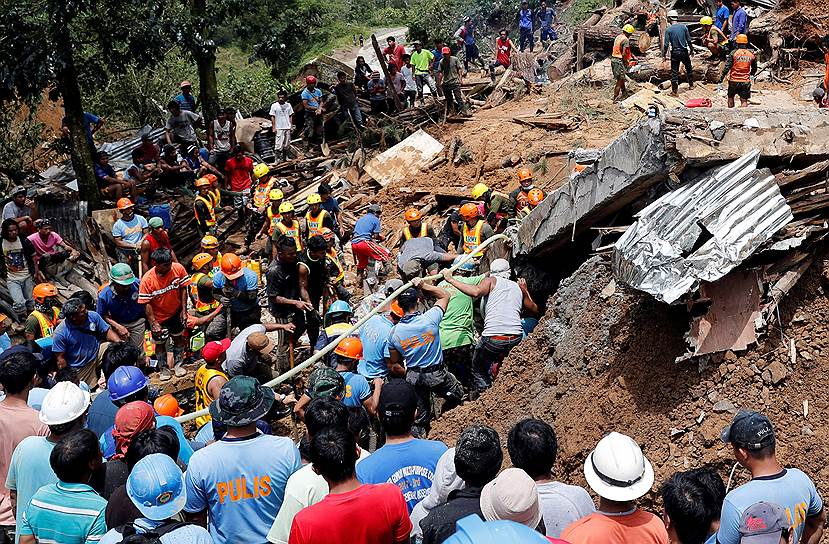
[[19, 138], [439, 19], [579, 10]]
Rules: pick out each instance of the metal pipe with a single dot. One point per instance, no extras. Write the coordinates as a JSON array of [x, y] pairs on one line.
[[327, 349]]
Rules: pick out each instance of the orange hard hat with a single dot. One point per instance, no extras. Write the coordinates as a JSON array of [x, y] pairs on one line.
[[469, 211], [524, 174], [202, 182], [413, 214], [327, 233], [396, 309], [211, 178], [350, 347], [167, 405], [44, 290], [200, 260], [535, 196], [124, 203], [232, 266]]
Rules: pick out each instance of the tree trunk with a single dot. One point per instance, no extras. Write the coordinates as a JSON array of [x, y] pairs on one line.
[[601, 38], [656, 71], [562, 66], [80, 149], [208, 85]]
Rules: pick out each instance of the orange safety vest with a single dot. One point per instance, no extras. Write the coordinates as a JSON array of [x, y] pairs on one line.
[[335, 260], [201, 306], [216, 265], [315, 223], [216, 197], [203, 398], [472, 238], [260, 195], [741, 66], [47, 327], [620, 51], [273, 219], [210, 220], [407, 232], [292, 232]]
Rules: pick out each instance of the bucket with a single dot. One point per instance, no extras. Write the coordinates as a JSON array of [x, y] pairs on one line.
[[256, 266], [162, 211]]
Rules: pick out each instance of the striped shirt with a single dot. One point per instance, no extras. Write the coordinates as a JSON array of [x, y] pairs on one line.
[[64, 513], [162, 292]]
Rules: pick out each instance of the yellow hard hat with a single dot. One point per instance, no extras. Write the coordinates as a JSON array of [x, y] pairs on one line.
[[479, 190], [260, 170], [200, 260], [286, 207], [202, 182], [628, 29], [706, 21], [276, 194], [742, 39], [209, 242], [314, 198]]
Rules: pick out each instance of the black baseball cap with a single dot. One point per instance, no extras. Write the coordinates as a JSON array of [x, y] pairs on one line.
[[749, 430], [407, 297], [398, 398]]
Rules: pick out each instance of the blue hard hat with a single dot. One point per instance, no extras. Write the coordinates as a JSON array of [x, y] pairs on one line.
[[473, 530], [156, 487], [468, 266], [339, 307], [204, 153], [125, 381]]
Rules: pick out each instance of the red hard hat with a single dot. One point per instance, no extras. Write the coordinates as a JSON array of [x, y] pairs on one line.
[[310, 80], [446, 51]]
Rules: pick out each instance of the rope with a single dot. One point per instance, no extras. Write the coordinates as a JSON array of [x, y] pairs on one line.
[[330, 347]]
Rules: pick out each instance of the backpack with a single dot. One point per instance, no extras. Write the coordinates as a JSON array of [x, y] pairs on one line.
[[130, 536]]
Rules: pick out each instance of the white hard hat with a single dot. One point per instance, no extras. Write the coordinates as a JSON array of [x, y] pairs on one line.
[[63, 403], [673, 14], [617, 470]]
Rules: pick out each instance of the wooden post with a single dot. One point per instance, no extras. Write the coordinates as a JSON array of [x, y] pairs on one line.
[[580, 50], [379, 53]]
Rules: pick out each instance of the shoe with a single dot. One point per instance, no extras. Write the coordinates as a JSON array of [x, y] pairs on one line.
[[164, 375], [180, 371]]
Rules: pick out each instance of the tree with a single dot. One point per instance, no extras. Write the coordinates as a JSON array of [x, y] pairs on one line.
[[55, 43]]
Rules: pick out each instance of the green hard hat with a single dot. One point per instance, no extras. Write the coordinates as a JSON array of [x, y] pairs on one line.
[[122, 274]]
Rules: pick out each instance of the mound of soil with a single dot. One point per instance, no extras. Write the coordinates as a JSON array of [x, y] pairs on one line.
[[603, 359]]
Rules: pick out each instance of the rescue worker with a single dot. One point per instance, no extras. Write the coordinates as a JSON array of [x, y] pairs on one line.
[[367, 250], [475, 230], [678, 39], [348, 353], [534, 198], [45, 317], [414, 345], [497, 205], [204, 207], [313, 279], [284, 299], [287, 225], [415, 227], [337, 320], [215, 190], [237, 287], [621, 60], [739, 67], [713, 38], [336, 273], [210, 315], [525, 185], [118, 306], [210, 245], [316, 218], [258, 203], [272, 217], [210, 377], [155, 239]]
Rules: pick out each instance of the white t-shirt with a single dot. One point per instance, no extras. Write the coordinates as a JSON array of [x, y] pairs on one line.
[[408, 75], [282, 113]]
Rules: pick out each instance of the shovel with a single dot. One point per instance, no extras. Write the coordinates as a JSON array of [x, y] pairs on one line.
[[324, 145]]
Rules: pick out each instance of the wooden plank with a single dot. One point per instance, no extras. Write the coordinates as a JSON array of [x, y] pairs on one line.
[[580, 49]]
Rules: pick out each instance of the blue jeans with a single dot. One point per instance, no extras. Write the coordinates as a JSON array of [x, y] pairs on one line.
[[489, 352], [21, 293], [525, 37], [354, 111], [548, 34]]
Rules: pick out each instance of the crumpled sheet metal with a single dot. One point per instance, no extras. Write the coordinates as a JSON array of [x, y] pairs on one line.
[[736, 209]]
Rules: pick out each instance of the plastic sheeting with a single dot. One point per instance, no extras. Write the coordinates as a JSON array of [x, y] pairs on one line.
[[701, 231]]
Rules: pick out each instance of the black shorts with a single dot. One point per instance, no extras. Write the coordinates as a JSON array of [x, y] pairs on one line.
[[173, 325], [739, 88]]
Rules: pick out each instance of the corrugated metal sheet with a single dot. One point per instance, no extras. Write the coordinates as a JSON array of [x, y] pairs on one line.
[[701, 231], [66, 218]]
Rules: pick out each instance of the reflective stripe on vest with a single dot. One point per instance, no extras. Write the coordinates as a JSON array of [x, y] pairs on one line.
[[216, 265], [203, 398], [314, 223], [332, 257], [46, 327], [200, 306], [210, 220], [407, 232], [291, 232], [472, 238], [273, 219], [215, 196], [260, 194]]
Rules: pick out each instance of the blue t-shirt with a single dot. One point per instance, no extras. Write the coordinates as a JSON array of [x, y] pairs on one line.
[[79, 345], [408, 465], [356, 389], [417, 338], [121, 309], [5, 342], [248, 281], [525, 18], [241, 482], [29, 470], [721, 17], [791, 489], [131, 231], [185, 450], [366, 227], [89, 121], [374, 334], [187, 102], [313, 97], [739, 23]]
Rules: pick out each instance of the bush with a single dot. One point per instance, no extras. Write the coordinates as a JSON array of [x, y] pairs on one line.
[[19, 138]]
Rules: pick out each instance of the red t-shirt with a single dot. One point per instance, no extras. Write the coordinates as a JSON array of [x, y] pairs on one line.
[[396, 55], [239, 171], [371, 514], [503, 51]]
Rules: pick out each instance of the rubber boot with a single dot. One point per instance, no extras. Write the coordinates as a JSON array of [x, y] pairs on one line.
[[674, 88]]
